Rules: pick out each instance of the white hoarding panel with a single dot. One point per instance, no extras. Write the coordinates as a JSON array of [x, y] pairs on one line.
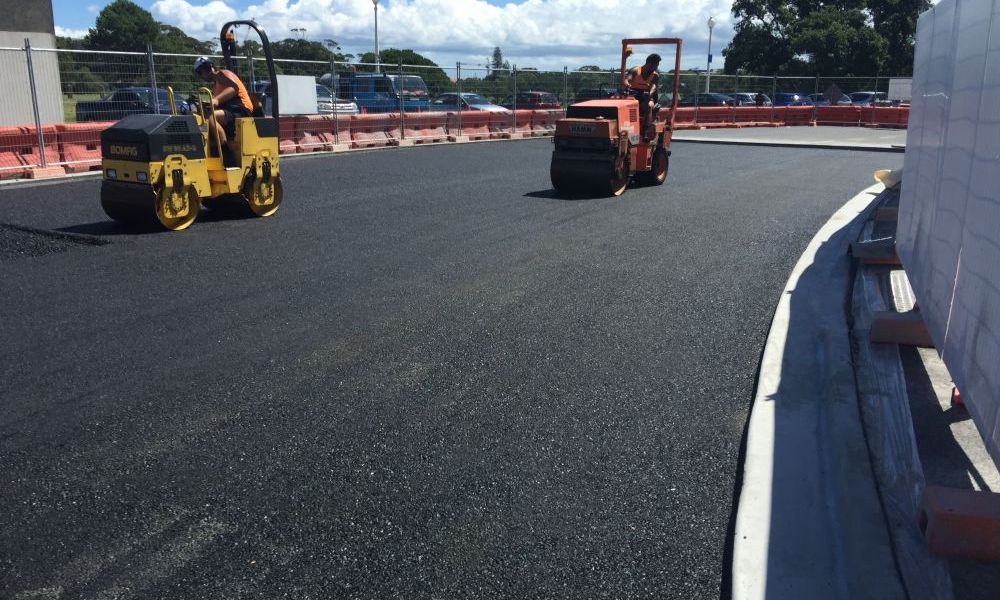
[[296, 95], [949, 224]]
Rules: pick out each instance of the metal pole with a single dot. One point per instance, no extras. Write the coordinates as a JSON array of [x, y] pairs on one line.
[[708, 69], [513, 112], [334, 91], [152, 78], [565, 87], [249, 52], [774, 93], [399, 92], [874, 99], [34, 102], [458, 83], [378, 62]]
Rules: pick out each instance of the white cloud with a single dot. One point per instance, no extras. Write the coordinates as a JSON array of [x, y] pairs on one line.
[[71, 33], [539, 33]]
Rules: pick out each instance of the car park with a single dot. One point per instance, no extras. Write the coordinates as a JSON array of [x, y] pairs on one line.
[[869, 99], [791, 99], [748, 99], [598, 93], [822, 100], [707, 99], [454, 101], [381, 92], [128, 101], [533, 100]]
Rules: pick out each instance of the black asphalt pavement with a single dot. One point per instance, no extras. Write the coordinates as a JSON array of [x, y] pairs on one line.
[[425, 377]]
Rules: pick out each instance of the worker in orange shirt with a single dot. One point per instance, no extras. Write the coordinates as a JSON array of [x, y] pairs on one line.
[[645, 80], [230, 99]]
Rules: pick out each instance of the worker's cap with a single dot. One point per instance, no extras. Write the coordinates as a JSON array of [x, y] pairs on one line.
[[202, 62], [653, 58]]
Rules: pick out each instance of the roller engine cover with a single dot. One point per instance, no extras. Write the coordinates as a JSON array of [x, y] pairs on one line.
[[151, 138]]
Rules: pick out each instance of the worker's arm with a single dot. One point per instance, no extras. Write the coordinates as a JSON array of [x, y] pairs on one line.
[[627, 77], [225, 95]]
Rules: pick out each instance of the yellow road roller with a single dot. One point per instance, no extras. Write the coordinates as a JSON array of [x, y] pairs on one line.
[[160, 169]]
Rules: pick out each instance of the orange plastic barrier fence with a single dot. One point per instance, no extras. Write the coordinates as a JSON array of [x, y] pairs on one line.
[[80, 145], [14, 144], [313, 133], [522, 123], [425, 127], [887, 116], [799, 115], [500, 125], [375, 130], [287, 130], [543, 122], [475, 125], [713, 114], [838, 115]]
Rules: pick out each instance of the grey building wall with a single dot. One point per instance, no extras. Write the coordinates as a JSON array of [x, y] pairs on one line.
[[30, 19], [27, 15]]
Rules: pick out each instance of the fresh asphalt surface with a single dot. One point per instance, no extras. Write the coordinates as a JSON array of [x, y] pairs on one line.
[[425, 377]]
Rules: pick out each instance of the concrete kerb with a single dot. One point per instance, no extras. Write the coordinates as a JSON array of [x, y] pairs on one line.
[[809, 522], [810, 145]]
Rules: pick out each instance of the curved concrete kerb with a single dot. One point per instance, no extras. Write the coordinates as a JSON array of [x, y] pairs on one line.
[[809, 522]]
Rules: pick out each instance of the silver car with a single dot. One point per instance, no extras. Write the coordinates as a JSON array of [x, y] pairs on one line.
[[328, 104]]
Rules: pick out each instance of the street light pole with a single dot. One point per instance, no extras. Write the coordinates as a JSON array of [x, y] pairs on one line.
[[377, 61], [708, 70]]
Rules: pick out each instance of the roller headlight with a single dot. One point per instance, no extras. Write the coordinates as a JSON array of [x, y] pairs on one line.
[[112, 173], [142, 177]]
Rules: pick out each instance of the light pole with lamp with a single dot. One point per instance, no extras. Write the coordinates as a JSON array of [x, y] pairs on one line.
[[708, 70], [377, 61]]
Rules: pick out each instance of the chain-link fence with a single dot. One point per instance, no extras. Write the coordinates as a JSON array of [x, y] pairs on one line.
[[57, 100]]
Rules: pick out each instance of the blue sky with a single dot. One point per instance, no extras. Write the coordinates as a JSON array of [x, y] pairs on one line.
[[539, 33]]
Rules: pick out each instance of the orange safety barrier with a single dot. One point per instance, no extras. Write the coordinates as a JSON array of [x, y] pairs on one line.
[[14, 144], [838, 115], [522, 123], [799, 115], [886, 116], [314, 133], [287, 130], [425, 127], [80, 145], [543, 122], [375, 130], [713, 114], [500, 125], [475, 125]]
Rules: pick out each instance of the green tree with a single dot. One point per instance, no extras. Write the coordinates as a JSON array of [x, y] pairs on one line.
[[124, 26], [896, 21], [822, 37], [173, 40]]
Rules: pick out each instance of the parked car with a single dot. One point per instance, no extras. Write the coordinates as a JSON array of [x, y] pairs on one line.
[[465, 101], [328, 104], [869, 98], [822, 100], [791, 99], [381, 92], [533, 100], [128, 101], [707, 99], [748, 99]]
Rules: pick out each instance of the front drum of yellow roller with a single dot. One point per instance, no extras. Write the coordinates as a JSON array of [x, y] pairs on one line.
[[264, 197], [177, 208]]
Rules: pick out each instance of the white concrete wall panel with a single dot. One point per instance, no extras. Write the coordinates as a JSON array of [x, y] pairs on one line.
[[949, 228]]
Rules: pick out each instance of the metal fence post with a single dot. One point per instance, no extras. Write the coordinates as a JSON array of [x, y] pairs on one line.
[[513, 112], [249, 52], [774, 94], [152, 78], [875, 99], [34, 103], [565, 87], [335, 92], [815, 103], [399, 92], [458, 84]]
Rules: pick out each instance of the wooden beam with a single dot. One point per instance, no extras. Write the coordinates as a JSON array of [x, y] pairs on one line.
[[962, 523], [905, 329], [876, 252]]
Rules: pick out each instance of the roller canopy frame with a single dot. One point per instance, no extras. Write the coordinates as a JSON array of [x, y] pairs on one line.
[[677, 43], [227, 57]]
